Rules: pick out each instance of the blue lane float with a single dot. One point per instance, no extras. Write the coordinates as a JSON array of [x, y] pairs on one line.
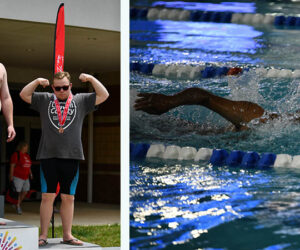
[[250, 160], [235, 158], [138, 151], [215, 157], [218, 157]]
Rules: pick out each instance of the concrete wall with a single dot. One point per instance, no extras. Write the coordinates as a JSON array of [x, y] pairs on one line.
[[98, 14]]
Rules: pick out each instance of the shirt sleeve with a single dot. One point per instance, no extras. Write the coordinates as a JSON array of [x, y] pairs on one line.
[[88, 102], [36, 99], [14, 158]]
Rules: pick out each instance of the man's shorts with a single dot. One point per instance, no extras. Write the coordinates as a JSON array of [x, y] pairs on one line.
[[62, 171], [21, 185]]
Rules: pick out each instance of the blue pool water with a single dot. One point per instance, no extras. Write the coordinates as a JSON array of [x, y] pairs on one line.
[[191, 205]]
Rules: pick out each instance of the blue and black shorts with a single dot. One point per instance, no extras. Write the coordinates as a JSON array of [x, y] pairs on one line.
[[62, 171]]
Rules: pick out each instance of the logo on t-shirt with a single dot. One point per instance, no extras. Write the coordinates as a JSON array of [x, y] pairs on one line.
[[52, 113]]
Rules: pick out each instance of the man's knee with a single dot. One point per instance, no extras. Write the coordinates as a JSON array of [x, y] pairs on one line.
[[67, 197], [48, 197]]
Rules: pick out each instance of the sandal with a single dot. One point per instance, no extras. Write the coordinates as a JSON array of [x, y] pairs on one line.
[[73, 242], [42, 242]]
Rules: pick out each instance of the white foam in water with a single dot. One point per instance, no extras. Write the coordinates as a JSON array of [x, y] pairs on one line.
[[196, 72], [159, 70], [153, 14], [163, 14], [171, 152], [236, 18], [184, 72], [174, 14], [296, 73], [187, 153], [184, 15], [296, 161], [247, 18], [156, 150], [171, 71], [257, 19], [268, 19], [285, 73], [203, 154], [273, 73], [283, 160]]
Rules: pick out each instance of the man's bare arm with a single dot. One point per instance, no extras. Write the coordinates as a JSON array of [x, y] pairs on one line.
[[27, 91], [101, 92], [7, 104]]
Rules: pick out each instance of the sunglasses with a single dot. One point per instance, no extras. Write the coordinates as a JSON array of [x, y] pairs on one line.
[[63, 87]]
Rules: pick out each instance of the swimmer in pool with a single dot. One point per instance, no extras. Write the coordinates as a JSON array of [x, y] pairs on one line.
[[239, 113]]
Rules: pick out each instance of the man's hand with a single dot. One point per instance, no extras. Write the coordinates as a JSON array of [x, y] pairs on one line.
[[153, 103], [84, 77], [11, 133], [43, 82]]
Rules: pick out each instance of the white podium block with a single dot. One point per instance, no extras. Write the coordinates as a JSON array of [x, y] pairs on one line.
[[15, 235]]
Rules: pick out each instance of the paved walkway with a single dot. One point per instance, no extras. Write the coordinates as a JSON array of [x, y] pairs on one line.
[[85, 214]]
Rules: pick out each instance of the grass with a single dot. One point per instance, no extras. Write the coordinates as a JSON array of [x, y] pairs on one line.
[[105, 235]]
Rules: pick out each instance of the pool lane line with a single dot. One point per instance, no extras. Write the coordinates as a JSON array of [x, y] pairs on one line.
[[195, 72], [215, 157], [276, 19]]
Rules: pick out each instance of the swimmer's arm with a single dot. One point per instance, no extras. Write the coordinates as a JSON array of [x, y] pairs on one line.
[[101, 92], [153, 103], [27, 91]]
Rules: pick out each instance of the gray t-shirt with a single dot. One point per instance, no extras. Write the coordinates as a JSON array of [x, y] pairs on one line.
[[66, 145]]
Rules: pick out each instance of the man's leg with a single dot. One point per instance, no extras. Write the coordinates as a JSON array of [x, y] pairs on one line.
[[237, 112], [69, 173], [46, 210], [66, 213]]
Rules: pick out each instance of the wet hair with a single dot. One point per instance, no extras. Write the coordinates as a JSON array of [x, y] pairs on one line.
[[21, 145], [61, 75]]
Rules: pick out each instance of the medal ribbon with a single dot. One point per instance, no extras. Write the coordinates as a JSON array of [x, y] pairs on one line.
[[62, 119]]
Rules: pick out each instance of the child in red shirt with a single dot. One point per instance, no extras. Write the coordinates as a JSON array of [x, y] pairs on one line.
[[20, 171]]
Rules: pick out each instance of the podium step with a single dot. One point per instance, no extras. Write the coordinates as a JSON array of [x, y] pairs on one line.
[[55, 244], [16, 235]]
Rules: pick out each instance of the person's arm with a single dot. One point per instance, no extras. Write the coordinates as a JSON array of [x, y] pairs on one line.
[[7, 104], [157, 104], [101, 92], [11, 171], [237, 112], [27, 91]]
